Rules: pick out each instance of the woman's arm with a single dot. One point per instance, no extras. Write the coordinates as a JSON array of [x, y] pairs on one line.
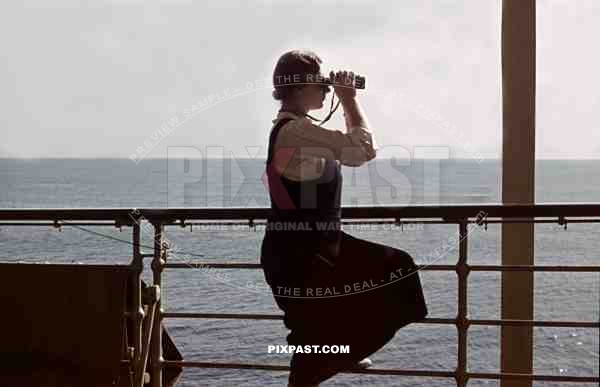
[[353, 113], [353, 148], [356, 122]]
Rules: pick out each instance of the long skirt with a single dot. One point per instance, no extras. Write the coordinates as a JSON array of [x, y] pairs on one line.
[[357, 295]]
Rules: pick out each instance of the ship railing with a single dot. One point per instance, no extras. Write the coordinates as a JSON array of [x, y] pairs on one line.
[[148, 355]]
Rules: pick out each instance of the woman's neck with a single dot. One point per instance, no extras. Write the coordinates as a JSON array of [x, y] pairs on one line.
[[293, 108]]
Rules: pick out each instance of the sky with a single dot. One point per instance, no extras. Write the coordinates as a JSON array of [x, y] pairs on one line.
[[138, 79]]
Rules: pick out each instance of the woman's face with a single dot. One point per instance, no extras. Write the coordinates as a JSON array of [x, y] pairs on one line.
[[312, 96]]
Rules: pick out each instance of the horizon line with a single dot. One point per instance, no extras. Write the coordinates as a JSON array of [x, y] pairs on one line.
[[262, 157]]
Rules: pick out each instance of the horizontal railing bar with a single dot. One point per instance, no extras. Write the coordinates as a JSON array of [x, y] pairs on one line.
[[391, 221], [274, 367], [249, 265], [546, 268], [546, 378], [566, 269], [454, 213], [379, 371], [538, 323], [343, 222], [491, 322], [225, 316], [216, 265], [52, 224], [538, 220], [459, 211], [81, 214], [263, 223], [75, 266], [259, 316]]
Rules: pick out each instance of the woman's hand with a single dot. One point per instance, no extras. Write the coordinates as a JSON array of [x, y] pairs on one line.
[[343, 84]]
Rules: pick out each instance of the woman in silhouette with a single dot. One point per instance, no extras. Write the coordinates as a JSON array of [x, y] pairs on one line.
[[334, 289]]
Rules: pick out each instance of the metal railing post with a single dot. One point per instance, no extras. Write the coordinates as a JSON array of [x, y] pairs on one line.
[[158, 262], [462, 322], [137, 309]]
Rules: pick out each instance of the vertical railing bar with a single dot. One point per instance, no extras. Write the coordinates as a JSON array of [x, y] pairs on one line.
[[137, 310], [462, 323], [156, 343], [147, 340]]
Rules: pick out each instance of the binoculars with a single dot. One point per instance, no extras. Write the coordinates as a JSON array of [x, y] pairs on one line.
[[359, 81], [289, 79]]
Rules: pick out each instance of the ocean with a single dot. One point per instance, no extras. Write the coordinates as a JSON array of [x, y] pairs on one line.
[[56, 183]]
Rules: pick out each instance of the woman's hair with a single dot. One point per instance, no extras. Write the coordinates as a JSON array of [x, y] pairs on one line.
[[296, 63]]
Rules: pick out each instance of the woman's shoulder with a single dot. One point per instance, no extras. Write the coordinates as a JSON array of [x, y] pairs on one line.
[[295, 125], [292, 119]]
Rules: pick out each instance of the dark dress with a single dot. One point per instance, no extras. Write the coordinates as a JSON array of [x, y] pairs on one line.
[[334, 289]]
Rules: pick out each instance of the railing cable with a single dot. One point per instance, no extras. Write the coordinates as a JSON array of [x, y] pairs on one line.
[[122, 240]]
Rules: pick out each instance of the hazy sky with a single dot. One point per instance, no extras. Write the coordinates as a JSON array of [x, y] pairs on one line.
[[105, 78]]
